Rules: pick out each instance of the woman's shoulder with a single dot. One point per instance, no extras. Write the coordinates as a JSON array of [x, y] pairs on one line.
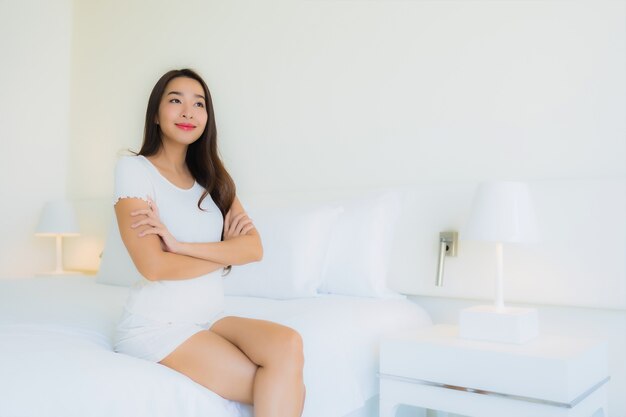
[[131, 162], [131, 165], [132, 178]]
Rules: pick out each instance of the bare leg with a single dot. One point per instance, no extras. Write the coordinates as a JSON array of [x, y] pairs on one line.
[[277, 350], [215, 363]]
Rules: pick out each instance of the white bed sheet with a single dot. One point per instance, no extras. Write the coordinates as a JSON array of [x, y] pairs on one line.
[[57, 371], [56, 357]]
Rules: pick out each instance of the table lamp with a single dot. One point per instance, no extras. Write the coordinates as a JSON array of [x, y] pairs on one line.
[[58, 220], [502, 213]]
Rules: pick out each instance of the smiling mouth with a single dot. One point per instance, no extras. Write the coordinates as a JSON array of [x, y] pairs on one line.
[[185, 126]]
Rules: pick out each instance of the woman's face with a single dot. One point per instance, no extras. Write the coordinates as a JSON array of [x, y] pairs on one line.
[[182, 112]]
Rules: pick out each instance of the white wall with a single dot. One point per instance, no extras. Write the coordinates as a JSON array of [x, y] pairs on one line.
[[35, 38], [362, 93], [344, 94]]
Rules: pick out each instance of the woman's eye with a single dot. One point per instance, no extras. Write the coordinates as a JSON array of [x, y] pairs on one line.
[[200, 104], [174, 100]]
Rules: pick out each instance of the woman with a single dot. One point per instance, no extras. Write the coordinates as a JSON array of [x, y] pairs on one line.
[[182, 225]]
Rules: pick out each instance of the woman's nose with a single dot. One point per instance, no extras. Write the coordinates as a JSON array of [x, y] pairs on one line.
[[187, 113]]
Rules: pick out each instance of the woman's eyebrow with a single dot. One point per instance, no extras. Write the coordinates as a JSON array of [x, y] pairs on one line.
[[178, 93]]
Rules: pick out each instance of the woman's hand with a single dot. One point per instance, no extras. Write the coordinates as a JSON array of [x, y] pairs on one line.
[[168, 242], [237, 225]]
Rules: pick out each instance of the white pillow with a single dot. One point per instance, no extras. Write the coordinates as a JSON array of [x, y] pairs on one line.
[[116, 267], [360, 246], [295, 242]]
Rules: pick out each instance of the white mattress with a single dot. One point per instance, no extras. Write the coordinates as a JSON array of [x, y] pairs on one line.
[[56, 357]]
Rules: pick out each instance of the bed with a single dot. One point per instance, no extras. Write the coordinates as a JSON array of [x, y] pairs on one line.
[[323, 273], [56, 357]]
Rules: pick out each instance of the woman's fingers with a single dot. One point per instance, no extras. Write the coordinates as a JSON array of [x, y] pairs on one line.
[[234, 222], [152, 231], [151, 211], [150, 221], [242, 224], [247, 228], [238, 218], [153, 207], [147, 212], [239, 223]]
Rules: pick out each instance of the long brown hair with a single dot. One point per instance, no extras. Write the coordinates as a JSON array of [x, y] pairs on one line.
[[202, 157]]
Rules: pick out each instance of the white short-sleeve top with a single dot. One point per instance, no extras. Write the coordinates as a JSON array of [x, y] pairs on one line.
[[194, 300]]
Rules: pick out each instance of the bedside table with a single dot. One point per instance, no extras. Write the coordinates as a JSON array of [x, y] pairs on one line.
[[546, 377]]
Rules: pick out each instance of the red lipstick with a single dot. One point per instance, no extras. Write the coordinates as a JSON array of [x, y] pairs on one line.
[[185, 126]]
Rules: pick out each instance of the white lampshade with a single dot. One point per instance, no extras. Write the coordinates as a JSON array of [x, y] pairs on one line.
[[57, 218], [502, 211]]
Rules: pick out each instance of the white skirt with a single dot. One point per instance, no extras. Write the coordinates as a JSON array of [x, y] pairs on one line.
[[160, 315], [148, 339]]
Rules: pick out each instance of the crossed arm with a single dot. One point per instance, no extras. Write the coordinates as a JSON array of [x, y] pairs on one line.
[[159, 256]]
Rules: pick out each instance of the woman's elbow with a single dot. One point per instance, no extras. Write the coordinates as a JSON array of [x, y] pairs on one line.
[[149, 270], [150, 275], [254, 254], [259, 254]]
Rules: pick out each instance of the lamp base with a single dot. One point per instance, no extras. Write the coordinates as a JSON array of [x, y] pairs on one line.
[[499, 324]]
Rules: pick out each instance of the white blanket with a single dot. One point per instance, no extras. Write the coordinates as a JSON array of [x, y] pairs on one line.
[[56, 357]]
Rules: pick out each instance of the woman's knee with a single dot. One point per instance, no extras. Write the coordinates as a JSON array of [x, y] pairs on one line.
[[283, 348], [289, 351]]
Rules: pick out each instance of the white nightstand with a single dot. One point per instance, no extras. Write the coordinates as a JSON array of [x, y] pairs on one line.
[[546, 377]]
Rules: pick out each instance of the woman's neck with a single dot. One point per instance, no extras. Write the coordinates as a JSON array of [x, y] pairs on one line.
[[172, 158]]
